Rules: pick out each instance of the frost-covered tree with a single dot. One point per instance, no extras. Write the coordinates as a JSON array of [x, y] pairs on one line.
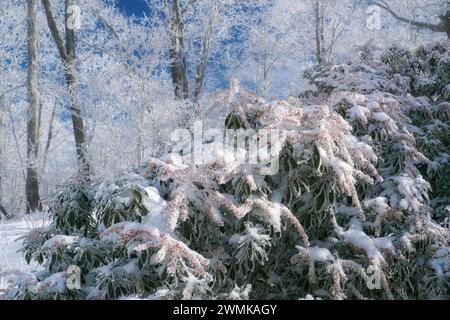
[[440, 10], [199, 33], [103, 68], [272, 42], [67, 52], [286, 36], [32, 183]]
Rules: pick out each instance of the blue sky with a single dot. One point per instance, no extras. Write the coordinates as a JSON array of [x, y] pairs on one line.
[[133, 7]]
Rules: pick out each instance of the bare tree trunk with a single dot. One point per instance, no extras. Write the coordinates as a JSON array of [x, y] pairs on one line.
[[49, 139], [39, 120], [140, 146], [176, 80], [1, 157], [266, 68], [68, 57], [178, 53], [203, 61], [183, 59], [322, 31], [32, 181], [319, 30], [446, 19], [77, 119]]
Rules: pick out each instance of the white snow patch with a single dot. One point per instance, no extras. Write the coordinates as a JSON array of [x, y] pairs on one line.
[[318, 254], [59, 240], [359, 113], [381, 116], [358, 238], [11, 232]]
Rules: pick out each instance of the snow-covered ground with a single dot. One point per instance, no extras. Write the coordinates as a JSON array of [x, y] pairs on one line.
[[10, 233]]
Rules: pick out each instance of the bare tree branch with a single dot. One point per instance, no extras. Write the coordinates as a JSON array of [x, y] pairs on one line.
[[12, 89], [122, 44], [433, 27]]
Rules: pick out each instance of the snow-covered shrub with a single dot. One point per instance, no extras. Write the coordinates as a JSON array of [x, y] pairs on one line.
[[338, 205], [407, 126], [71, 209], [428, 69]]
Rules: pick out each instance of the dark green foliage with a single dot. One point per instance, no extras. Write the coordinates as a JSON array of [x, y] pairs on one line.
[[72, 209]]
